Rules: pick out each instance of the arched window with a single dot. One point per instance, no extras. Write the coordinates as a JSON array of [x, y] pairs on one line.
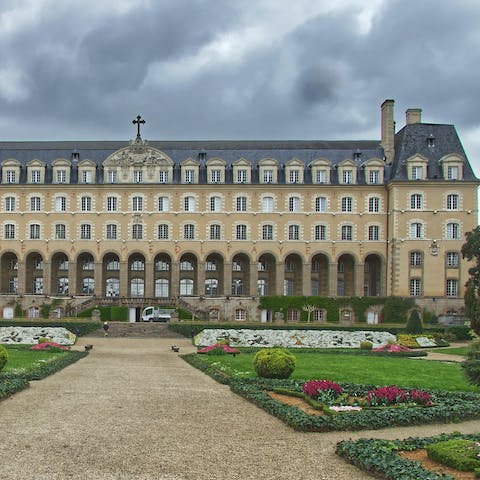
[[186, 286], [452, 201], [88, 286], [161, 287], [416, 230], [112, 287], [211, 286], [137, 287], [453, 230], [267, 204]]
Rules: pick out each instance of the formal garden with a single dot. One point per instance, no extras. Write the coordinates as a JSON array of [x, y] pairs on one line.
[[356, 379]]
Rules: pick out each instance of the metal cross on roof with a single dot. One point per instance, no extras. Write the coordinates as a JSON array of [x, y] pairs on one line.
[[139, 121]]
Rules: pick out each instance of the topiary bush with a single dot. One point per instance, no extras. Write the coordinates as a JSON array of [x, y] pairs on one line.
[[3, 357], [366, 345], [274, 363], [414, 324], [471, 366], [457, 453]]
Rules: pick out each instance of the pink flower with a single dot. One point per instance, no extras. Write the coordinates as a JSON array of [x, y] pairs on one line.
[[314, 387]]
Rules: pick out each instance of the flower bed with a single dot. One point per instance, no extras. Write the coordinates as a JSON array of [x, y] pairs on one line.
[[292, 338], [31, 335], [382, 457]]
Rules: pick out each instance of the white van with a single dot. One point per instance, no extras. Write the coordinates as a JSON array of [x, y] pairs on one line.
[[155, 314]]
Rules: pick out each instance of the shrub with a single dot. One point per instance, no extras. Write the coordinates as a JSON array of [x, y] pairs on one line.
[[274, 363], [461, 332], [366, 345], [3, 357], [414, 324], [459, 453], [44, 340], [471, 366]]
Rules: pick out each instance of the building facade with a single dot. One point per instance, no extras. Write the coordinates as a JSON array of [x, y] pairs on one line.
[[219, 224]]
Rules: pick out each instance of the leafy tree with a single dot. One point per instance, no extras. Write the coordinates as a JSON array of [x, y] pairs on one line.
[[414, 324], [471, 251]]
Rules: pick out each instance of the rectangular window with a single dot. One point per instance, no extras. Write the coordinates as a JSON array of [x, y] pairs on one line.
[[163, 176], [321, 204], [112, 176], [452, 201], [241, 204], [35, 231], [452, 172], [137, 231], [452, 259], [373, 205], [321, 176], [374, 176], [60, 204], [415, 287], [215, 232], [347, 176], [241, 176], [453, 230], [112, 204], [9, 231], [417, 173], [111, 231], [268, 176], [163, 204], [85, 231], [189, 204], [416, 201], [87, 176], [294, 232], [10, 204], [416, 230], [416, 259], [320, 232], [137, 204], [86, 204], [189, 175], [373, 232], [36, 176], [294, 176], [163, 232], [189, 232], [241, 232], [347, 232], [61, 176], [267, 204], [10, 176], [35, 204], [137, 176], [215, 176], [294, 204], [267, 232], [347, 203], [60, 231], [451, 288], [215, 204]]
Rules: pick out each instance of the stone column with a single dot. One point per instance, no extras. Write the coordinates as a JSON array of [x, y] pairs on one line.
[[21, 278], [47, 278], [174, 279], [200, 278], [124, 287], [359, 279], [280, 277], [227, 279], [149, 280], [253, 279], [98, 279], [72, 278], [332, 279], [306, 279]]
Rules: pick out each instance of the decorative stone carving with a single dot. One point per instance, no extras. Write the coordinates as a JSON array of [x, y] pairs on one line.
[[138, 154]]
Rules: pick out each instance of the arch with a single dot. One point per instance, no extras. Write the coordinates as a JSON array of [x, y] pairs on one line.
[[241, 274], [188, 274], [267, 274], [346, 275], [320, 275], [34, 273], [293, 282], [59, 273], [111, 275], [214, 274], [162, 275], [136, 275], [85, 274], [372, 276], [9, 274]]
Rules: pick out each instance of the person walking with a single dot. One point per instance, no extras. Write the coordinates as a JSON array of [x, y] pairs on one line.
[[106, 326]]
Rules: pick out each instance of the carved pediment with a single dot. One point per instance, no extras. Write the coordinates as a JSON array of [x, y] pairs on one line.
[[138, 154]]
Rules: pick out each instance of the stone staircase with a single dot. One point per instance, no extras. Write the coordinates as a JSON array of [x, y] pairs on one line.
[[137, 330]]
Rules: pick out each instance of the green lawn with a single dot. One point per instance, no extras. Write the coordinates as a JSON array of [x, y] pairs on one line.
[[23, 359], [451, 351], [405, 372]]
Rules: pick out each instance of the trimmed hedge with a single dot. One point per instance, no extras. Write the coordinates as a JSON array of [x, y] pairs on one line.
[[78, 328], [10, 385], [381, 459], [110, 314]]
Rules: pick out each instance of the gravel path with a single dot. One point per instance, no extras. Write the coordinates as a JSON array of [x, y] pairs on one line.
[[134, 410]]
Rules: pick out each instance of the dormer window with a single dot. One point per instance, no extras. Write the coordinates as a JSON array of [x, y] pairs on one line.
[[374, 176], [36, 176], [452, 172], [417, 172], [431, 141], [215, 176], [241, 176], [347, 176], [268, 176], [321, 176], [10, 176], [87, 176], [137, 176], [163, 176]]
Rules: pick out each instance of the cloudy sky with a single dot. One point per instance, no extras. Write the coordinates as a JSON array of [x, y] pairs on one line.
[[236, 69]]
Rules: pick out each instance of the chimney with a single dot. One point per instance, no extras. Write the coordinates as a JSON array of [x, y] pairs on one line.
[[388, 130], [413, 115]]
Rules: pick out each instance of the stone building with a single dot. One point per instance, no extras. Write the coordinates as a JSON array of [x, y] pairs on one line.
[[217, 224]]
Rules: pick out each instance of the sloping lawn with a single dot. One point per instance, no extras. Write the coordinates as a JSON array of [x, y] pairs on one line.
[[405, 372], [22, 359], [462, 351]]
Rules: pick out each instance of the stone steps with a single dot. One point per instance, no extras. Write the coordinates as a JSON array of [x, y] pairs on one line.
[[137, 330]]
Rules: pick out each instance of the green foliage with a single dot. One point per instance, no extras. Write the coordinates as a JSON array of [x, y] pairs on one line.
[[216, 351], [471, 366], [414, 324], [396, 309], [17, 310], [381, 459], [471, 251], [9, 385], [366, 345], [457, 453], [3, 357], [44, 340], [274, 363], [461, 332], [109, 314]]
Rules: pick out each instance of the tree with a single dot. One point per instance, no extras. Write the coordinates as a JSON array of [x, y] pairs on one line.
[[309, 309], [471, 251]]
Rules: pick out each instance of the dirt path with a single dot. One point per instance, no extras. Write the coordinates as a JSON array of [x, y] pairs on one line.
[[134, 410]]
